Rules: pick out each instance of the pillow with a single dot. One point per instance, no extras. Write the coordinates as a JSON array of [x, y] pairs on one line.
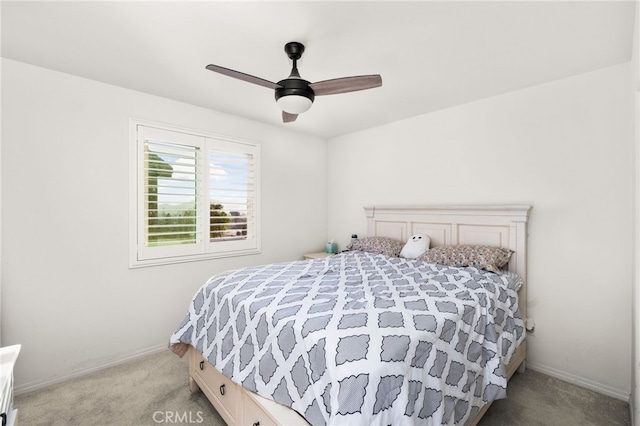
[[377, 245], [483, 257], [416, 246]]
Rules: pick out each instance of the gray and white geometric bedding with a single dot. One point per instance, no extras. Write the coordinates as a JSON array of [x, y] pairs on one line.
[[361, 339]]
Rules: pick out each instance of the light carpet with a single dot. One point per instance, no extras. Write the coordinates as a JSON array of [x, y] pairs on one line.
[[153, 391]]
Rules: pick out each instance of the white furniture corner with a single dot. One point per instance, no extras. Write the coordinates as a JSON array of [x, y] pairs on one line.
[[8, 357]]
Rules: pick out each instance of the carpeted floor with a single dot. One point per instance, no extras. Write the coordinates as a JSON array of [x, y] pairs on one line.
[[153, 391]]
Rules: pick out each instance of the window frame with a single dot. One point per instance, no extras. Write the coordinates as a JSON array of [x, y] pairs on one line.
[[204, 248]]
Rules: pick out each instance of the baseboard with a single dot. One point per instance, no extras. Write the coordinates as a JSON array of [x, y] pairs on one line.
[[39, 384], [580, 381]]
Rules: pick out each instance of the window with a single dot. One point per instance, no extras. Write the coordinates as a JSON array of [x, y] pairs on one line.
[[196, 196]]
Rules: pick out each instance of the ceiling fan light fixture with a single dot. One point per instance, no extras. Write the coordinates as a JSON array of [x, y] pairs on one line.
[[294, 104], [294, 95]]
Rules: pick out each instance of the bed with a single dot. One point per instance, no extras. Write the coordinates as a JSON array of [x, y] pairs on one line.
[[365, 337]]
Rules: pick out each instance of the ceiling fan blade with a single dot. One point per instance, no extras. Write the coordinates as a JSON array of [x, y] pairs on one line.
[[288, 118], [242, 76], [346, 84]]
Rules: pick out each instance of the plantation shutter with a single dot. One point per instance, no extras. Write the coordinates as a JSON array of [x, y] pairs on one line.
[[169, 193], [197, 197]]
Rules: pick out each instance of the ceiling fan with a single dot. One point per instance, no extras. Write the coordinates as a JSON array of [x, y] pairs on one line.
[[294, 94]]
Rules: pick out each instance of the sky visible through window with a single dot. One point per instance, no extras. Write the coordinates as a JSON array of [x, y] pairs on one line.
[[229, 175]]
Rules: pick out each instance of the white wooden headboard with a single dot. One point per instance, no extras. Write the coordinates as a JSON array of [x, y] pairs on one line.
[[495, 225]]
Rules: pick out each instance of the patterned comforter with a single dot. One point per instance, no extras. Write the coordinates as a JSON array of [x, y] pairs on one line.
[[361, 339]]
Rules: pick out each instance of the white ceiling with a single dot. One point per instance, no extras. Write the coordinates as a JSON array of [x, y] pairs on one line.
[[431, 55]]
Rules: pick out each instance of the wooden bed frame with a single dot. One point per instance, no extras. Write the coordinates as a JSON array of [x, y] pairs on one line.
[[496, 225]]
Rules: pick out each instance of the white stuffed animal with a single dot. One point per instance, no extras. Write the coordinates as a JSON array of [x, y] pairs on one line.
[[417, 245]]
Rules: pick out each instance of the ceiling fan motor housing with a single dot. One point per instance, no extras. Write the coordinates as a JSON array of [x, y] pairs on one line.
[[295, 86]]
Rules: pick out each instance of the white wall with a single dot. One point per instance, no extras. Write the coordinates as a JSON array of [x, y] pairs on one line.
[[68, 295], [566, 148]]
